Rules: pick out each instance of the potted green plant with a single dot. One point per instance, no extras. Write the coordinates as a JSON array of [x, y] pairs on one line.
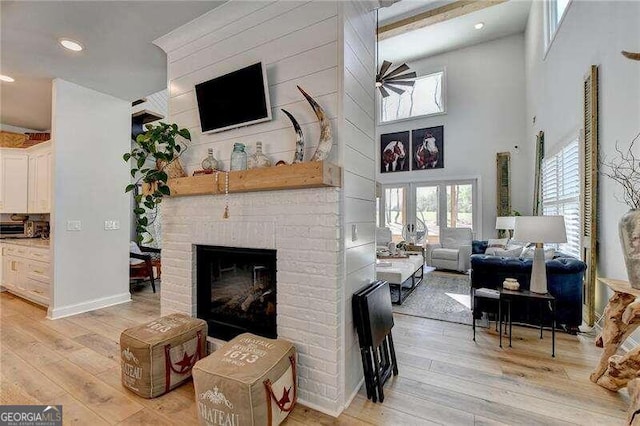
[[160, 146]]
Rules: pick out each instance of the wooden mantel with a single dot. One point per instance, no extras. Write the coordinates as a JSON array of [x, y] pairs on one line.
[[315, 174]]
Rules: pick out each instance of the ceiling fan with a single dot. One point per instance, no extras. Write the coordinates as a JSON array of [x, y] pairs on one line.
[[386, 79]]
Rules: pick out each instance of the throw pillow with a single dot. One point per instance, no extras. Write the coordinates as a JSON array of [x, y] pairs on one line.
[[527, 253], [494, 244], [514, 252]]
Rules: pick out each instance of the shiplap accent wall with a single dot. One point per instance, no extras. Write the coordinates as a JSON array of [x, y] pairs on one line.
[[298, 42], [358, 154]]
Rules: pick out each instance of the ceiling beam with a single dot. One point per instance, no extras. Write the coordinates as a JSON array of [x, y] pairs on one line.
[[434, 16]]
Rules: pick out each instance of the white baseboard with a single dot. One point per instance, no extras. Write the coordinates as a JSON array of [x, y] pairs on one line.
[[319, 408], [353, 395], [91, 305]]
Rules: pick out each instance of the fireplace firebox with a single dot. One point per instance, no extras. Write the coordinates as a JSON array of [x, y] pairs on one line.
[[236, 290]]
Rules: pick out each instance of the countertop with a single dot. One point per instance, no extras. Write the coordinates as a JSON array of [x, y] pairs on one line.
[[28, 242]]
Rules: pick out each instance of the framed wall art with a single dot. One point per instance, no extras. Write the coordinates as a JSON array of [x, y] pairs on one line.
[[394, 152], [427, 147]]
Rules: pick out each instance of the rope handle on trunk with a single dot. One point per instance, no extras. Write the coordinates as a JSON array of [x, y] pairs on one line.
[[271, 394]]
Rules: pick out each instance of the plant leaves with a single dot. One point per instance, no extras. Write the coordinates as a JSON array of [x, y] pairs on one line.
[[126, 157], [140, 162], [129, 188], [138, 211], [133, 172], [164, 189], [185, 134]]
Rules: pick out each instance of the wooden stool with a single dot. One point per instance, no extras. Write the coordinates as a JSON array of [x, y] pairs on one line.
[[158, 356], [251, 380]]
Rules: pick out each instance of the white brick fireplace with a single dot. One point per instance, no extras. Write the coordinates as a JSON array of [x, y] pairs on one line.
[[303, 226]]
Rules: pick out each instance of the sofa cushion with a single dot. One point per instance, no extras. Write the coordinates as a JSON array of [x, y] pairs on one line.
[[445, 254]]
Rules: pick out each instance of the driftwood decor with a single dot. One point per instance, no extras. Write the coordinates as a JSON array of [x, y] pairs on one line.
[[621, 319]]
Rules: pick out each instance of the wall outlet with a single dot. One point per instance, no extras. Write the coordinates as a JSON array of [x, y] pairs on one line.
[[74, 225], [111, 225]]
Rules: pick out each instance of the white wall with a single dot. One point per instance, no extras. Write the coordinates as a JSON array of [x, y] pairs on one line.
[[593, 32], [297, 41], [485, 105], [358, 160], [91, 131]]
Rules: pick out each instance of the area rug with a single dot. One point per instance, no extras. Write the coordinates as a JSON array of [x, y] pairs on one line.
[[441, 296]]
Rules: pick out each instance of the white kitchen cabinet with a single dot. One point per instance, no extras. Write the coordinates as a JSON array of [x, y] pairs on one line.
[[40, 178], [27, 272], [14, 176]]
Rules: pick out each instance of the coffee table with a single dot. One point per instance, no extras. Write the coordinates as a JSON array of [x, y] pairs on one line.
[[404, 274]]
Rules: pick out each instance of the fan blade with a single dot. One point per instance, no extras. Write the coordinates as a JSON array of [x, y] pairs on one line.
[[401, 77], [383, 92], [383, 69], [400, 83], [394, 89], [402, 68]]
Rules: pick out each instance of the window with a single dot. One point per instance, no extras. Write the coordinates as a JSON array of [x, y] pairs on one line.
[[424, 98], [555, 10], [561, 193]]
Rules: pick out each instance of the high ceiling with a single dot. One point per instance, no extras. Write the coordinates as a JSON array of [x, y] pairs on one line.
[[119, 58], [499, 21]]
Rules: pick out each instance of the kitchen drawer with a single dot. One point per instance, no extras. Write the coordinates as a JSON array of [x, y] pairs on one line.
[[41, 255], [38, 271], [11, 250], [38, 288]]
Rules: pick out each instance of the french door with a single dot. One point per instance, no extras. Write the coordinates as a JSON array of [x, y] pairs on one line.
[[418, 211]]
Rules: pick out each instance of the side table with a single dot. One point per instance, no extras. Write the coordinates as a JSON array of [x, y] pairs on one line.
[[508, 295], [621, 318]]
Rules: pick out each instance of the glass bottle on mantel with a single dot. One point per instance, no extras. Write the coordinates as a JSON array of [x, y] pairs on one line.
[[210, 163], [258, 160], [238, 157]]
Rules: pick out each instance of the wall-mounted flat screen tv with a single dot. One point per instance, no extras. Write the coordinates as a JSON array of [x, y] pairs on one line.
[[237, 99]]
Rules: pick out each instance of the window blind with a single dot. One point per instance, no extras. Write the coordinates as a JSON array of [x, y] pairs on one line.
[[561, 193]]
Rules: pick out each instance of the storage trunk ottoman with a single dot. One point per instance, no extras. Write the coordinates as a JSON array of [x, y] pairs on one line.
[[158, 356], [251, 380]]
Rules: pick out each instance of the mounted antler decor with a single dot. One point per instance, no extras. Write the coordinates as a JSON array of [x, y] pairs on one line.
[[631, 55]]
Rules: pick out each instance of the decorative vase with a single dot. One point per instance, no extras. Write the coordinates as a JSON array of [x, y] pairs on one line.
[[173, 169], [238, 157], [258, 160], [210, 163], [629, 227]]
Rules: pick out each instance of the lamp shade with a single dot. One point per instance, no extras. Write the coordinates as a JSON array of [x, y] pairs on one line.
[[505, 222], [540, 229]]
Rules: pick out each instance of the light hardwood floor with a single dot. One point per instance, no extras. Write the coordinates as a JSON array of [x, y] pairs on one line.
[[445, 378]]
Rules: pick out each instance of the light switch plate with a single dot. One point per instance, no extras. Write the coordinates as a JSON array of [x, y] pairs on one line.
[[354, 232], [74, 225]]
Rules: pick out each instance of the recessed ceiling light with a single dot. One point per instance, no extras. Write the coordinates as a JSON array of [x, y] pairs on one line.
[[6, 78], [71, 44], [479, 26]]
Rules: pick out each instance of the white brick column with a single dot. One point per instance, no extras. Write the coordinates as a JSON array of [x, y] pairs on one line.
[[303, 226]]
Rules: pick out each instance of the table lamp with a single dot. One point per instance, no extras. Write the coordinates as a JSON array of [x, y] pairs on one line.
[[540, 230], [506, 223]]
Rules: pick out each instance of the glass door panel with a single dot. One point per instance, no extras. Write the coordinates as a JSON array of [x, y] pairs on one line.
[[395, 211], [427, 225], [459, 206]]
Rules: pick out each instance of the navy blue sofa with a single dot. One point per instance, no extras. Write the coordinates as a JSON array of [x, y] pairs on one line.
[[564, 280]]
